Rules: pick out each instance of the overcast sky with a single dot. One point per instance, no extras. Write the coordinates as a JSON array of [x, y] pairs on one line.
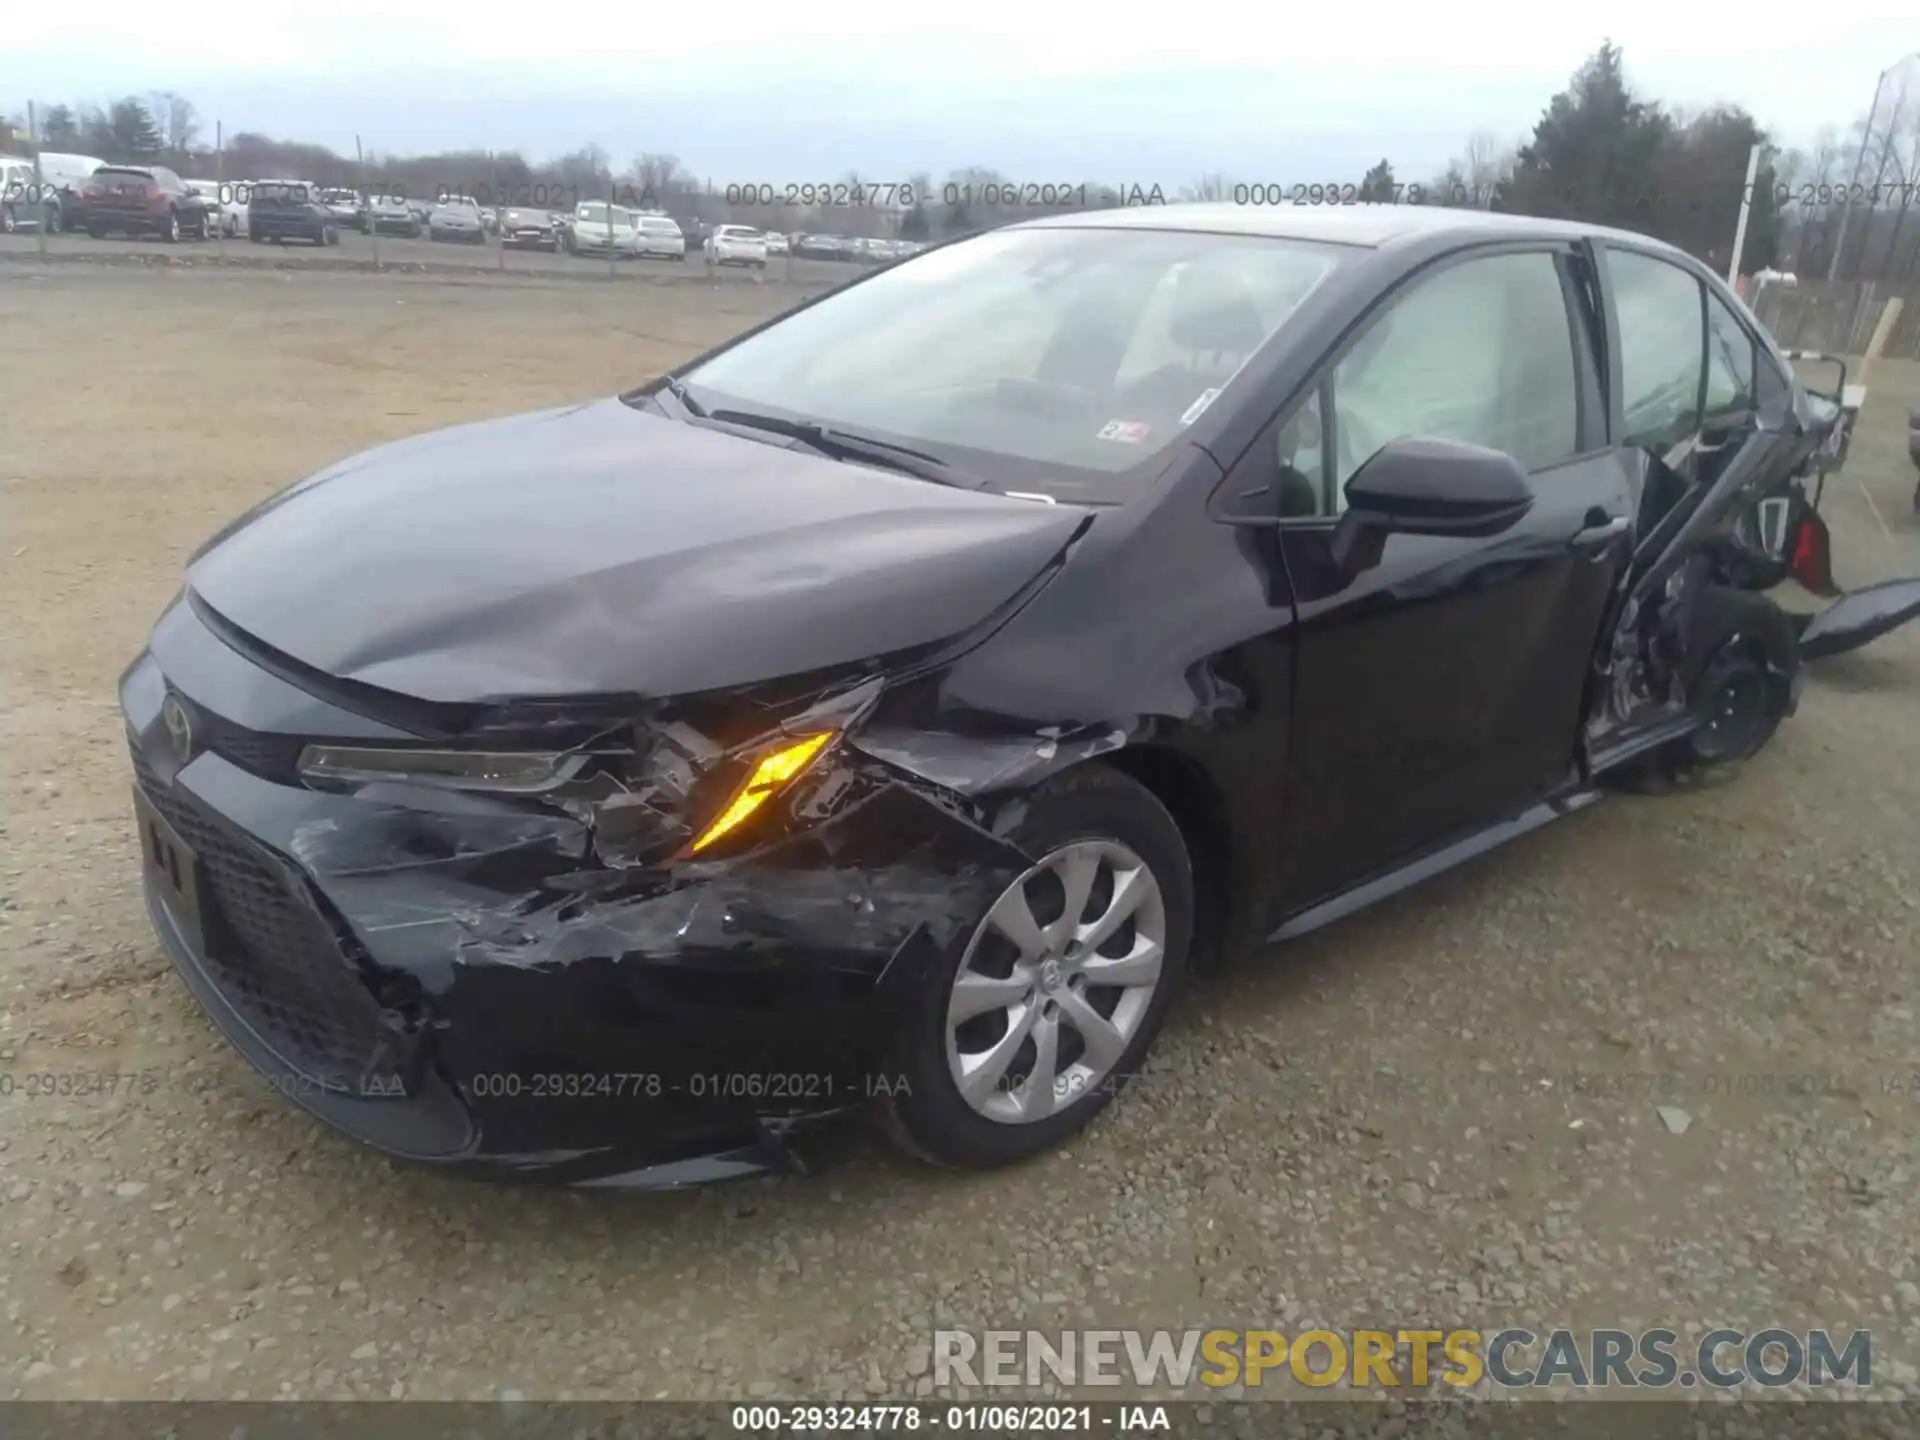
[[787, 91]]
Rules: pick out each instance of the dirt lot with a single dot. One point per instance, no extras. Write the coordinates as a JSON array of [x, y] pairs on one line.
[[1442, 1112]]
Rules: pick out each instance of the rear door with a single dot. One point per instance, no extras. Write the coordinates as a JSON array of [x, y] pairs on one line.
[[1443, 689], [1705, 409]]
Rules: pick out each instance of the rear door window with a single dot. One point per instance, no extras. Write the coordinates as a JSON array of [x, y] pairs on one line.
[[1730, 361], [1662, 347]]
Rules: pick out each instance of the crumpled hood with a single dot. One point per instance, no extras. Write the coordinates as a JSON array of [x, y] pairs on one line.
[[600, 549]]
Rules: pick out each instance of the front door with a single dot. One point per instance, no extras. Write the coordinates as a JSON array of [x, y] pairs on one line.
[[1441, 690]]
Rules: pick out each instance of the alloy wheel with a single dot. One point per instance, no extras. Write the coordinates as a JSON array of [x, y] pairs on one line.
[[1055, 982]]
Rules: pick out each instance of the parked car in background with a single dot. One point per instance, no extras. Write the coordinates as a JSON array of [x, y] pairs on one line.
[[289, 210], [348, 209], [737, 245], [776, 243], [23, 204], [225, 202], [423, 211], [661, 237], [62, 178], [525, 228], [824, 247], [142, 200], [457, 218], [598, 228], [391, 215]]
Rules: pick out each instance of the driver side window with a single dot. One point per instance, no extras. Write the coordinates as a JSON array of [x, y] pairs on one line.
[[1480, 353]]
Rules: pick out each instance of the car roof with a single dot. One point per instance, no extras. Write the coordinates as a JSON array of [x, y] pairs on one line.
[[1373, 226]]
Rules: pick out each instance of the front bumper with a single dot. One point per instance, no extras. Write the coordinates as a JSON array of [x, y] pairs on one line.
[[464, 982]]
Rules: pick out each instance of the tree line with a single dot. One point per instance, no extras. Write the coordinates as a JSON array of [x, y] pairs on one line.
[[1599, 152]]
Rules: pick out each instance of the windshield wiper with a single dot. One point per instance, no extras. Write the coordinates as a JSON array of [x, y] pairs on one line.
[[845, 445], [677, 388]]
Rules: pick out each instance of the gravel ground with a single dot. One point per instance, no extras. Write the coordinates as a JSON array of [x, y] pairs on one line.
[[1443, 1111]]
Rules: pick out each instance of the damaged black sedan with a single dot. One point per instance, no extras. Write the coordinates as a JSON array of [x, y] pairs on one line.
[[887, 711]]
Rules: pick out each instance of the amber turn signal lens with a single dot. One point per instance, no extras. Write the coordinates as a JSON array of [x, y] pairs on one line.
[[774, 772]]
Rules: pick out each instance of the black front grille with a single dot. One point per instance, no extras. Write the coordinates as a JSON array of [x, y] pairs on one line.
[[276, 958], [273, 756]]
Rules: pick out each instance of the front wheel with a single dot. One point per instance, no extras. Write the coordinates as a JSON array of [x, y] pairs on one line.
[[1047, 1004]]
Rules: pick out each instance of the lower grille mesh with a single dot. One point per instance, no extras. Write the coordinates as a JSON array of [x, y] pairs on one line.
[[275, 958]]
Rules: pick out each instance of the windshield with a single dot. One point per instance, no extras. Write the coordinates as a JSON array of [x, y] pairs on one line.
[[660, 223], [1066, 351]]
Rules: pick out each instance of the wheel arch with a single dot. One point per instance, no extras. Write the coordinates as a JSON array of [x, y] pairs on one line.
[[1180, 783]]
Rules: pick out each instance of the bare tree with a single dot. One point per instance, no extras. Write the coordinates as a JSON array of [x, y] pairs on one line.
[[1904, 173], [174, 117], [1823, 164], [1486, 165], [1210, 186], [659, 176]]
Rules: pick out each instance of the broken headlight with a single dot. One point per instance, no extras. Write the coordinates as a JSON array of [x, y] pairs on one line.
[[502, 772], [653, 788]]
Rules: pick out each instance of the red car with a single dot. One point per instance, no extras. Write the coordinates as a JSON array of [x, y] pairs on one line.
[[141, 200]]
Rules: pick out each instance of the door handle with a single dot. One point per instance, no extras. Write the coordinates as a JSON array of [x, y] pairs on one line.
[[1594, 537]]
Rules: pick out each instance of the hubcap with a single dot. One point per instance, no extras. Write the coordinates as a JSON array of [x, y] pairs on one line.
[[1055, 982]]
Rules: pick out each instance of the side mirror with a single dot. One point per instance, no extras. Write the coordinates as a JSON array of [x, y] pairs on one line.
[[1427, 487], [1439, 487]]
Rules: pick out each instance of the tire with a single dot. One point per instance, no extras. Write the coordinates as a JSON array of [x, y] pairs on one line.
[[925, 1112], [97, 232], [8, 225], [332, 236], [171, 231], [56, 221], [1740, 681]]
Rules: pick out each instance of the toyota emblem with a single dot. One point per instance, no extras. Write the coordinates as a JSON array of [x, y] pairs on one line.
[[179, 728]]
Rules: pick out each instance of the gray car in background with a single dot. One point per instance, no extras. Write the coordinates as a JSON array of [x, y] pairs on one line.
[[457, 218]]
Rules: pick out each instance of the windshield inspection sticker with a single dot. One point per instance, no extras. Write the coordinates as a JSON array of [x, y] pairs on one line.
[[1127, 432], [1194, 411]]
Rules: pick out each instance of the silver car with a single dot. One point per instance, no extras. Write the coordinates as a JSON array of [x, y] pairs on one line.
[[598, 228], [457, 218]]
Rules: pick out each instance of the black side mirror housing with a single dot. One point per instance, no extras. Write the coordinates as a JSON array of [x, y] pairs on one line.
[[1424, 486], [1439, 487]]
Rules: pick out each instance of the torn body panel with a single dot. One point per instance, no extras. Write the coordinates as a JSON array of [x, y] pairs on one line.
[[1859, 617]]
